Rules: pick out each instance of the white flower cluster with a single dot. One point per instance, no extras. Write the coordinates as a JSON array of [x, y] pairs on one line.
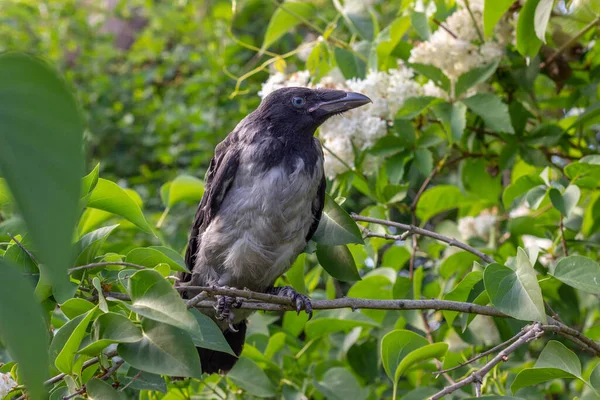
[[6, 384], [480, 226], [457, 55], [362, 127]]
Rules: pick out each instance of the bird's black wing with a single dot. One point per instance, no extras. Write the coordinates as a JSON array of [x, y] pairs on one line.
[[218, 180], [317, 208]]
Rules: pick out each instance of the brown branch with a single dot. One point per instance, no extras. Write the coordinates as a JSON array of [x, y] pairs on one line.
[[18, 243], [104, 264], [438, 23], [104, 377], [532, 332], [438, 364], [424, 232]]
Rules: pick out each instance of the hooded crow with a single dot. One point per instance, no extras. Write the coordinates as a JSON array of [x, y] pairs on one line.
[[263, 200]]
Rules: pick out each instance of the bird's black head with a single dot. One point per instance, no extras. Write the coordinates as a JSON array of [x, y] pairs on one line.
[[305, 109]]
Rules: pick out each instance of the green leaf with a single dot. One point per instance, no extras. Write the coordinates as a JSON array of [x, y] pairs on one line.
[[437, 199], [5, 196], [22, 329], [424, 160], [515, 292], [41, 158], [75, 307], [419, 22], [338, 262], [326, 322], [476, 179], [152, 256], [434, 350], [111, 328], [588, 166], [461, 293], [579, 272], [164, 350], [554, 362], [386, 42], [372, 287], [338, 383], [90, 244], [565, 202], [336, 227], [535, 196], [589, 117], [247, 375], [141, 380], [528, 43], [414, 106], [541, 18], [473, 77], [595, 378], [435, 74], [520, 187], [350, 65], [66, 357], [493, 111], [285, 18], [454, 118], [493, 10], [296, 274], [457, 263], [89, 182], [110, 197], [210, 335], [152, 296], [183, 188], [100, 390]]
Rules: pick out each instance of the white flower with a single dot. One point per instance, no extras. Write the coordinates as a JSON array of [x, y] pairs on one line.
[[6, 384], [342, 150], [534, 241], [520, 211], [480, 226]]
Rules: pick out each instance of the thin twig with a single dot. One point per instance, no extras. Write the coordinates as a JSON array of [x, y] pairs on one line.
[[474, 21], [438, 23], [105, 264], [485, 353], [430, 340], [424, 232], [131, 381], [570, 43], [104, 377], [14, 239], [532, 332]]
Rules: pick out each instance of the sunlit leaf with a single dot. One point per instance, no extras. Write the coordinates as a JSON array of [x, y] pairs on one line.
[[336, 227], [580, 272]]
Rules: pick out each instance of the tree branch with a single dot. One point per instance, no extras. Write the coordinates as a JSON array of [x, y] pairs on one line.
[[14, 239], [570, 43], [105, 264], [532, 332], [424, 232]]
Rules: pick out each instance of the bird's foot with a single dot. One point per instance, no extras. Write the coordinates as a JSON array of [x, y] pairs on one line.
[[301, 301], [223, 309]]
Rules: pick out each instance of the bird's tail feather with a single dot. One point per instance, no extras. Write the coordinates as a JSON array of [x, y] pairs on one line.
[[213, 361]]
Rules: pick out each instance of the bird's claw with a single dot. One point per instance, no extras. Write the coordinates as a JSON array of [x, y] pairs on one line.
[[301, 301]]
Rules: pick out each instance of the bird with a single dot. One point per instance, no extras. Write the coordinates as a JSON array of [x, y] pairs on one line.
[[263, 200]]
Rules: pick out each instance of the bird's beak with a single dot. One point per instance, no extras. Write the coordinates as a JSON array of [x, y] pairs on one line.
[[341, 101]]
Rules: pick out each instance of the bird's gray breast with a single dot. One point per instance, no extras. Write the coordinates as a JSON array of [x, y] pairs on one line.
[[262, 223]]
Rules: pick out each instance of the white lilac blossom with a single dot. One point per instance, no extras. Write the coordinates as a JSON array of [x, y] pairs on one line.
[[360, 128], [480, 226], [457, 55], [6, 384]]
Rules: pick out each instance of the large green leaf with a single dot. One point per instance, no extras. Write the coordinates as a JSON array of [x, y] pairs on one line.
[[350, 65], [247, 375], [437, 199], [326, 322], [338, 383], [541, 18], [520, 187], [493, 111], [22, 329], [454, 118], [414, 106], [528, 44], [100, 390], [433, 73], [41, 158], [493, 10], [164, 350], [336, 227], [419, 22], [90, 244], [111, 328], [378, 287], [183, 188], [152, 256], [473, 77], [110, 197], [65, 359], [211, 336], [580, 272], [152, 296], [285, 18], [461, 293], [515, 292], [554, 362], [434, 350], [566, 201], [338, 262]]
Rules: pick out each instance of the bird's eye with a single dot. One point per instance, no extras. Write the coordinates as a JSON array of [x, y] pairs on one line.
[[298, 101]]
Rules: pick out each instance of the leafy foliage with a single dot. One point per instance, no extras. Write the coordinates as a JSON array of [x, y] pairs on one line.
[[497, 162]]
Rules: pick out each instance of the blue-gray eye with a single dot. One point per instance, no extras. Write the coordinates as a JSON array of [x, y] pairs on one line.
[[298, 101]]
